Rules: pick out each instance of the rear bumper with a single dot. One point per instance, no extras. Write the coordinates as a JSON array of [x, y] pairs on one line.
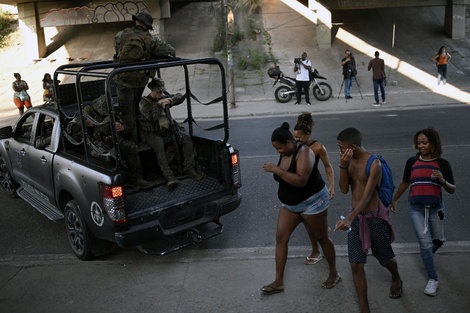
[[154, 230]]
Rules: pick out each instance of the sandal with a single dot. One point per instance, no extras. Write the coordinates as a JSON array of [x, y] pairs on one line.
[[311, 261], [270, 290], [398, 293]]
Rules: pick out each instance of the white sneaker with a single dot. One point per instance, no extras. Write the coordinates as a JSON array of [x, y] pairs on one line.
[[431, 288], [384, 102]]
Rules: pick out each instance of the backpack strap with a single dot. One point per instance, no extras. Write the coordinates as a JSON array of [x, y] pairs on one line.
[[371, 159], [369, 163]]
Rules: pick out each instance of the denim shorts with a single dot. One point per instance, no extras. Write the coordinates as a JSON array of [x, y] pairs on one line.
[[316, 204]]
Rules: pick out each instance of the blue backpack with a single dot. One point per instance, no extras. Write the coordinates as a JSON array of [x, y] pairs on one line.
[[386, 186]]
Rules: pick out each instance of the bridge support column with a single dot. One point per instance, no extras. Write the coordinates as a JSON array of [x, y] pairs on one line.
[[34, 34], [454, 20], [323, 23], [160, 10]]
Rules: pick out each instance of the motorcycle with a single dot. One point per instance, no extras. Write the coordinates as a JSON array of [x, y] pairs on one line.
[[321, 91]]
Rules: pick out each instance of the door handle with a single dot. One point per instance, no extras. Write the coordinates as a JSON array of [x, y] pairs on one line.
[[43, 159]]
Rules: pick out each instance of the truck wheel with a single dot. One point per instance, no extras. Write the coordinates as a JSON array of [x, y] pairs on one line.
[[6, 181], [322, 92], [80, 239], [283, 94]]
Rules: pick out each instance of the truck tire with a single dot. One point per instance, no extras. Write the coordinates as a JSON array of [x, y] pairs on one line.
[[282, 94], [80, 239], [6, 181]]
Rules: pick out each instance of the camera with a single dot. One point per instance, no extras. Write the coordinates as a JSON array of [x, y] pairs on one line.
[[297, 60]]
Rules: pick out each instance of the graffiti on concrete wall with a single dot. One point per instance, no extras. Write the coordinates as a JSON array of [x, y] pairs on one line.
[[107, 13]]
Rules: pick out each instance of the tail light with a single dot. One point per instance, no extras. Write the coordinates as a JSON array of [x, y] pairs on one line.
[[113, 200], [236, 175]]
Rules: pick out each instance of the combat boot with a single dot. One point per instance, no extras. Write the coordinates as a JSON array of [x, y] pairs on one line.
[[172, 183], [141, 183], [194, 173]]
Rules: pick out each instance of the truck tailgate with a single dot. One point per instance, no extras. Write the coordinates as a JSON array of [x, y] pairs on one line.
[[143, 202]]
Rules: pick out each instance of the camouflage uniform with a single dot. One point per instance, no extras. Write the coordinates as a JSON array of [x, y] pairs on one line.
[[156, 130], [98, 113], [130, 91]]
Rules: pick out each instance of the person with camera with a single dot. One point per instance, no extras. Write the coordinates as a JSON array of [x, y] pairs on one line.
[[378, 77], [349, 72], [302, 67]]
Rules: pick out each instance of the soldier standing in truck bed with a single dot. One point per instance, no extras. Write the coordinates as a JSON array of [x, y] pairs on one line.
[[136, 44]]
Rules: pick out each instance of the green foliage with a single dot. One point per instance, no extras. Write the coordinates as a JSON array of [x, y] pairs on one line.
[[248, 38], [6, 21], [253, 60]]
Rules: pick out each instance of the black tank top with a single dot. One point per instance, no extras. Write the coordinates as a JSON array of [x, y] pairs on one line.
[[292, 195]]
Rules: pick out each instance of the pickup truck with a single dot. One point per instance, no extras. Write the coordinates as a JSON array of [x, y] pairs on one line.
[[60, 176]]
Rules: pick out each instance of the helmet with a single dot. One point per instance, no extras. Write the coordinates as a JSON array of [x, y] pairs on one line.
[[156, 85], [145, 18]]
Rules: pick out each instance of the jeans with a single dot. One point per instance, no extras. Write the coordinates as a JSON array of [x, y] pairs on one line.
[[348, 86], [428, 224], [377, 83]]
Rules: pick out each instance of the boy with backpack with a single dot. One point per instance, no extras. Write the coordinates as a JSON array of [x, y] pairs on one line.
[[368, 219], [136, 44]]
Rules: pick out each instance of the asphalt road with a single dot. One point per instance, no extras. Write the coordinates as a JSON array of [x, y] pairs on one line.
[[24, 231]]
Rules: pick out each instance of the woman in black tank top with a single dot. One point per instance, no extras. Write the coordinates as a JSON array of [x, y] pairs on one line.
[[302, 133], [296, 178]]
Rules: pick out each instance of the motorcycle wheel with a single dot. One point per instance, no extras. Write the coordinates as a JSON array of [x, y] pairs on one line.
[[282, 94], [322, 91]]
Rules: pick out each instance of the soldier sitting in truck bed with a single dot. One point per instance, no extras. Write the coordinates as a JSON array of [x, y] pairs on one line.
[[157, 129], [97, 121]]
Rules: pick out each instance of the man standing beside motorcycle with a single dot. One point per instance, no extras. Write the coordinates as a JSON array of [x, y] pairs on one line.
[[302, 68]]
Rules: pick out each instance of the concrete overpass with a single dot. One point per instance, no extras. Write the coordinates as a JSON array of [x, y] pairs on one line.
[[454, 19], [34, 16]]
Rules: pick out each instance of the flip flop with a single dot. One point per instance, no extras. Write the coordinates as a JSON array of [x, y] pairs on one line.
[[398, 293], [269, 290], [311, 261], [331, 284]]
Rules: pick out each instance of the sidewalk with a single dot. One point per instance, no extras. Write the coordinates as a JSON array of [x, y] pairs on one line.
[[223, 281]]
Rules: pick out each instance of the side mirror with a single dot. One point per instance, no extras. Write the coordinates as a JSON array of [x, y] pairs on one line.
[[6, 132]]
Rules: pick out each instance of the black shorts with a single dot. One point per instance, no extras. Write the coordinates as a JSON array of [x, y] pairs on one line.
[[380, 241]]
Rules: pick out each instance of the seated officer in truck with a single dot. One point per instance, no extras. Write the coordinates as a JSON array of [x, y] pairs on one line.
[[157, 129], [97, 121]]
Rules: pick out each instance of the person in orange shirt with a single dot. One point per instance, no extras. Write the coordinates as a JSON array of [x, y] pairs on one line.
[[441, 59]]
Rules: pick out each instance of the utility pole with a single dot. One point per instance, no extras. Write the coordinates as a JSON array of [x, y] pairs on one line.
[[229, 20]]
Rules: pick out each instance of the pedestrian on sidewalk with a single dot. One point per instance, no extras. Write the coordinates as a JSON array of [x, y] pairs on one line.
[[349, 72], [303, 199], [441, 59], [48, 86], [21, 97], [368, 223], [302, 133], [302, 68], [378, 77], [427, 173]]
